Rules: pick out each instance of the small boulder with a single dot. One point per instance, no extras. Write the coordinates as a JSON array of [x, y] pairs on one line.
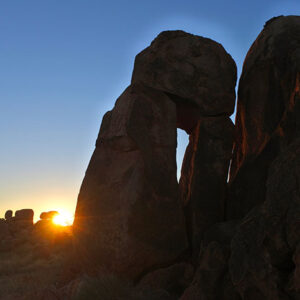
[[8, 214], [49, 215]]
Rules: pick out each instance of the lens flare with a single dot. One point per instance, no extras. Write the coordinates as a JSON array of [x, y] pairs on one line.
[[63, 218]]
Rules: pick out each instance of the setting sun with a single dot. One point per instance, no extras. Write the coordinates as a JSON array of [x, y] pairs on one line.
[[63, 218]]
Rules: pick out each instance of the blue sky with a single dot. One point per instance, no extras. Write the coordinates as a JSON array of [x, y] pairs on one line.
[[62, 66]]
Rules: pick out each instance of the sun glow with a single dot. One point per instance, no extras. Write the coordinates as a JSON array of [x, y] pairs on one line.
[[63, 218]]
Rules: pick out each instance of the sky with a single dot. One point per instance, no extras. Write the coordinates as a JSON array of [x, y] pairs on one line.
[[63, 63]]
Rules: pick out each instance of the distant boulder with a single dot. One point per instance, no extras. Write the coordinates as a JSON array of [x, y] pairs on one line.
[[4, 231], [8, 214], [49, 215], [24, 215]]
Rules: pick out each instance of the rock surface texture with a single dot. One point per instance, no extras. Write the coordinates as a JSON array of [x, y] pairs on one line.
[[255, 253], [129, 218], [267, 111], [203, 182]]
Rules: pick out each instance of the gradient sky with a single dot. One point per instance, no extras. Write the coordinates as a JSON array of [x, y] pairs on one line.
[[63, 63]]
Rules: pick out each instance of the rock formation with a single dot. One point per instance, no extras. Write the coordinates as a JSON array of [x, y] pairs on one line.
[[203, 182], [132, 217], [129, 198], [256, 255], [267, 111]]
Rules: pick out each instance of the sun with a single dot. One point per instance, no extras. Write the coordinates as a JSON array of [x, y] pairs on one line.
[[63, 218]]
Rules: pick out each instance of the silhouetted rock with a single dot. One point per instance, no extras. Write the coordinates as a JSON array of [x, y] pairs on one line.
[[48, 215], [8, 214], [24, 215], [129, 196], [258, 256], [267, 111], [212, 280], [203, 181], [195, 71], [128, 216], [265, 248], [4, 230]]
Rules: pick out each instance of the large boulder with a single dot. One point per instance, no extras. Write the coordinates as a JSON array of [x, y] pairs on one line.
[[203, 181], [199, 76], [195, 71], [128, 218], [268, 111]]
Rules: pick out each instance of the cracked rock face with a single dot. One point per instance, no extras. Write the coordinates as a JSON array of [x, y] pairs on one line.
[[203, 181], [265, 250], [267, 117]]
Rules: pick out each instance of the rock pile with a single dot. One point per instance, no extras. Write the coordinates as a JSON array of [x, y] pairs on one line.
[[242, 238]]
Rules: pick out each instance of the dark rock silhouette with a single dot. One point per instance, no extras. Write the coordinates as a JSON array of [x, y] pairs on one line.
[[267, 118], [196, 72], [8, 214], [134, 220], [24, 215], [212, 280], [49, 215], [203, 181], [129, 197], [257, 256]]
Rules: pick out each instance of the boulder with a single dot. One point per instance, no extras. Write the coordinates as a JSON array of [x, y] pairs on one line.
[[8, 214], [200, 77], [129, 197], [268, 113], [24, 215], [203, 181], [196, 72], [128, 218], [48, 215]]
